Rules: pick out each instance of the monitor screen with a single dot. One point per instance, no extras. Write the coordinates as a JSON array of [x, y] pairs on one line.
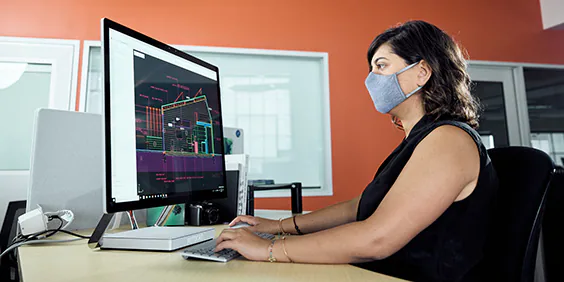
[[163, 128]]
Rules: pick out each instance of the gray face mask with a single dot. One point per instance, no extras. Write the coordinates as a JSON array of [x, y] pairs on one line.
[[385, 90]]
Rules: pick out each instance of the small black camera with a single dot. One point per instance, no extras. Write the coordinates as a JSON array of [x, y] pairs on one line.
[[198, 214]]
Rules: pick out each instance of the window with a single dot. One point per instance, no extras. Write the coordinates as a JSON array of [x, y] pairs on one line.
[[34, 73], [279, 98], [550, 143], [488, 141], [545, 100], [91, 81]]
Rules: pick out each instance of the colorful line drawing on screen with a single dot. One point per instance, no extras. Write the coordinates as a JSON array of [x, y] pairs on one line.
[[188, 127], [177, 124]]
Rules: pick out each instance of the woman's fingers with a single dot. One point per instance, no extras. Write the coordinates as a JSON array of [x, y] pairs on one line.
[[227, 234], [225, 245], [244, 218], [235, 221]]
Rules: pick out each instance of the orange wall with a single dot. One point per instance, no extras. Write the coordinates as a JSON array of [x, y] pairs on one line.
[[502, 30]]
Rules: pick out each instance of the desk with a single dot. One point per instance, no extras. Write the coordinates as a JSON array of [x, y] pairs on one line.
[[74, 261]]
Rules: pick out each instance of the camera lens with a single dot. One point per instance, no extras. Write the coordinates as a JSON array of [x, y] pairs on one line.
[[213, 215]]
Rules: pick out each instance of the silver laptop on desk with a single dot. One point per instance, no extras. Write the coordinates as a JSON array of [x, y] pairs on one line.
[[66, 165]]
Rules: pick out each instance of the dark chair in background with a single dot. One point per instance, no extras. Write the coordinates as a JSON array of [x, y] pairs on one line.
[[553, 229], [524, 175], [8, 265], [295, 195]]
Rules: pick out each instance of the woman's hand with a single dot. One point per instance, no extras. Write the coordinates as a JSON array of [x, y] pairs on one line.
[[259, 224], [245, 242]]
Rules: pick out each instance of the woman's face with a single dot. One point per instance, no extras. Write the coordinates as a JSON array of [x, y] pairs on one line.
[[385, 62]]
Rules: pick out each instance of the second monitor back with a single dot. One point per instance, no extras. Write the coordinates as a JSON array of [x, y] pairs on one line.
[[66, 170]]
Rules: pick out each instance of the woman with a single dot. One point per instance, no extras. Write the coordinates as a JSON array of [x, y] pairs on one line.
[[424, 215]]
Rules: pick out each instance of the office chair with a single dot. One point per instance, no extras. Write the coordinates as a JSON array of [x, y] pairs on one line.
[[511, 248], [9, 266], [552, 228]]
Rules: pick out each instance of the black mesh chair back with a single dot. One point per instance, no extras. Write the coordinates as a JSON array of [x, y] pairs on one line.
[[553, 228], [524, 175]]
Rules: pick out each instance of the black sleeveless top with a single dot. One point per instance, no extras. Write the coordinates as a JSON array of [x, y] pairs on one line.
[[452, 245]]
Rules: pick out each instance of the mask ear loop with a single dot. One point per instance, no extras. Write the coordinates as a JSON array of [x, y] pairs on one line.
[[395, 120], [406, 68], [418, 86]]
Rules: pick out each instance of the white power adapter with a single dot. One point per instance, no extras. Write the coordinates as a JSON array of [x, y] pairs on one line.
[[32, 222]]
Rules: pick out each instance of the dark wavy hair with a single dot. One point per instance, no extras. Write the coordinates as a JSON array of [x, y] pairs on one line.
[[447, 93]]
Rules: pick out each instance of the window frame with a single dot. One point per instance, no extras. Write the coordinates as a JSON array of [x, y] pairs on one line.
[[520, 92], [86, 46], [62, 95], [47, 58]]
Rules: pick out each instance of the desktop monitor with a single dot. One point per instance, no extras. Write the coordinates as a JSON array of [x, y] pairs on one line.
[[163, 134]]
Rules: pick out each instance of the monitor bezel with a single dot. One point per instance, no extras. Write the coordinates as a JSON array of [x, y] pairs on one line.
[[109, 205]]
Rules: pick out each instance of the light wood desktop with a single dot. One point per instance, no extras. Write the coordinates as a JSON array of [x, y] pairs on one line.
[[74, 261]]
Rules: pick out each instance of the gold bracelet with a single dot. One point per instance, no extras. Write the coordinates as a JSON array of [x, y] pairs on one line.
[[280, 226], [284, 249], [271, 257]]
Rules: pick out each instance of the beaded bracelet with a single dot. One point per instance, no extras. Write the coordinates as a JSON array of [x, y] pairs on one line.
[[271, 257]]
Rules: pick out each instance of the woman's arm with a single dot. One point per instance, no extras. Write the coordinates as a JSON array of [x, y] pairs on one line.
[[329, 217], [325, 218], [443, 167]]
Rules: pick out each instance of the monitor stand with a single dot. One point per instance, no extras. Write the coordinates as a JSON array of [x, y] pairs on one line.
[[154, 238]]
